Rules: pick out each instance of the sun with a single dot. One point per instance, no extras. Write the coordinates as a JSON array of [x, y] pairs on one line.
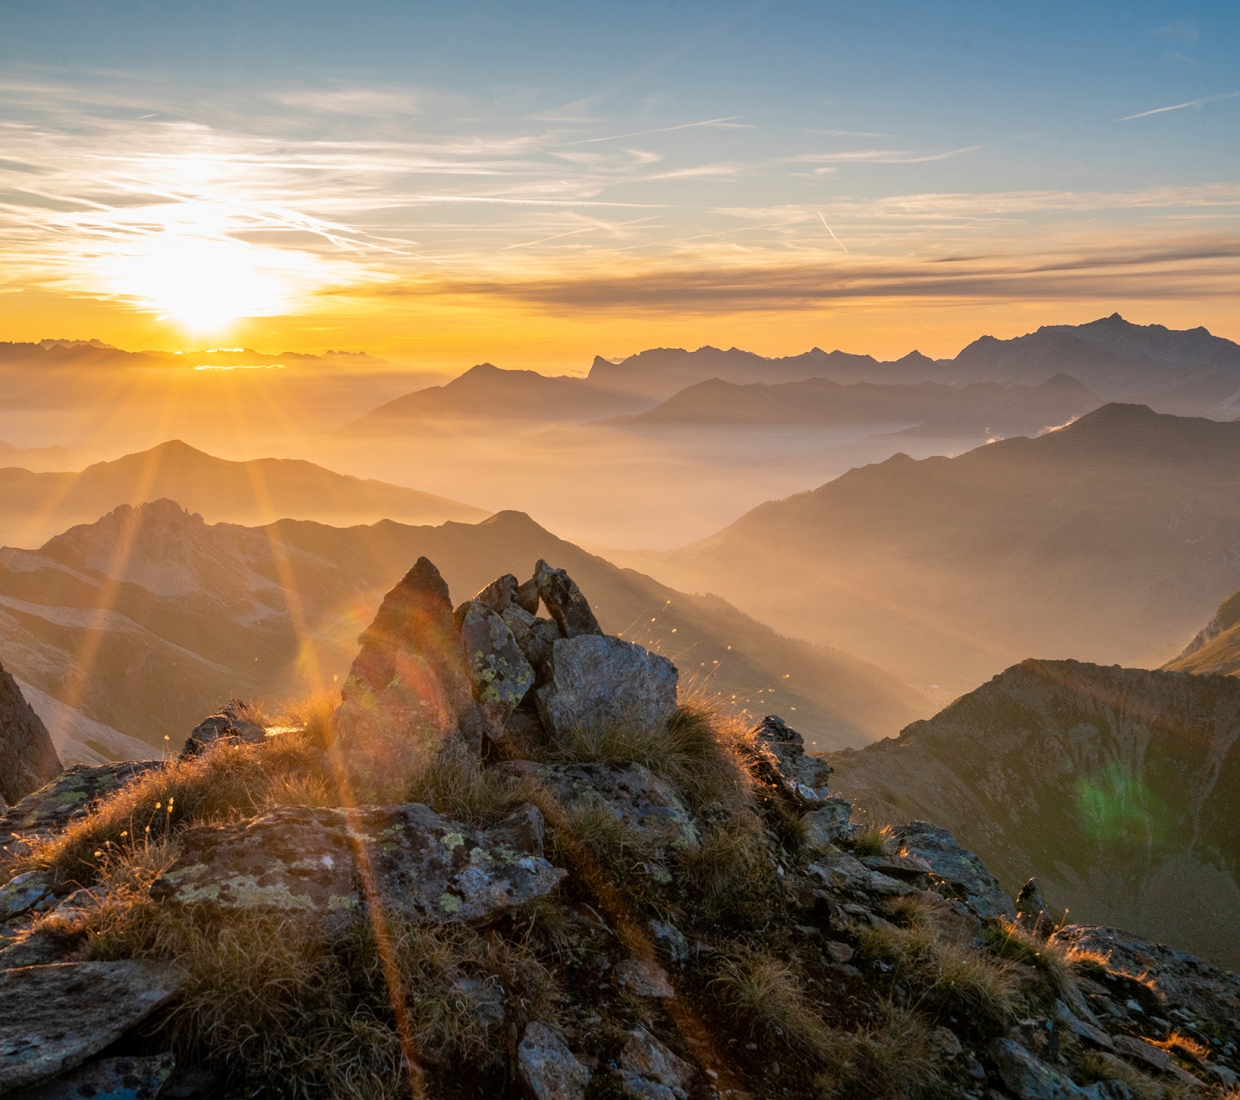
[[205, 284]]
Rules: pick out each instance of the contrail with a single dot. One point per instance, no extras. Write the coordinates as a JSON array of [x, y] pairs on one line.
[[1180, 106], [832, 232]]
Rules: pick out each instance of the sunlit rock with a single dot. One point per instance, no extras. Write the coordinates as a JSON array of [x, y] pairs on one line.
[[27, 756], [564, 601]]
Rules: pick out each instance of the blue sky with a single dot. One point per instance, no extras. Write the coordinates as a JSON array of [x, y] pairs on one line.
[[388, 161]]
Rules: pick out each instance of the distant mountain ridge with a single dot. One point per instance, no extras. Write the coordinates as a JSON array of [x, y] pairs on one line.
[[1110, 539], [35, 505], [149, 618], [1190, 372], [1116, 787]]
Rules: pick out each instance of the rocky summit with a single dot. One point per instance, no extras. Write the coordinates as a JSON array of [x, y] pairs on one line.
[[512, 860]]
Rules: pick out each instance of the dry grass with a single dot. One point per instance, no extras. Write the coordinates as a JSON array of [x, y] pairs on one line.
[[944, 974], [699, 750], [455, 784], [224, 782], [873, 842], [1184, 1046], [891, 1061], [1100, 1066], [729, 875], [766, 993], [277, 1000]]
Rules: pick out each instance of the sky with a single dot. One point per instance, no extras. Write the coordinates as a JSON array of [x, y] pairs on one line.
[[535, 184]]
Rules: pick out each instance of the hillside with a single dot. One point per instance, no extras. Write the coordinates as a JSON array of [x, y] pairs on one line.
[[34, 506], [1215, 649], [1116, 787], [1109, 540], [149, 618]]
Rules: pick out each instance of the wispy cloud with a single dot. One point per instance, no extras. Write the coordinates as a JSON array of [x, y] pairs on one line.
[[1180, 106], [730, 123], [882, 156]]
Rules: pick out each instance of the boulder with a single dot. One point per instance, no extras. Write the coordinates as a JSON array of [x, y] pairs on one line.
[[232, 722], [564, 602], [27, 756], [137, 1078], [57, 1016], [598, 683], [828, 824], [29, 890], [783, 761], [643, 802], [69, 796], [548, 1066], [408, 687], [527, 596], [298, 859], [498, 671], [963, 875]]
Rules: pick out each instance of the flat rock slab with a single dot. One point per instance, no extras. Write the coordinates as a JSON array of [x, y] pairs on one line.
[[69, 796], [498, 672], [57, 1016], [137, 1078], [549, 1067], [596, 683], [634, 795], [301, 859]]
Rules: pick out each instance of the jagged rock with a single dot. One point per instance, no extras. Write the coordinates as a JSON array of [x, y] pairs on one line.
[[963, 874], [828, 824], [498, 671], [642, 801], [646, 1057], [803, 779], [535, 637], [599, 683], [1032, 910], [27, 756], [138, 1078], [55, 1017], [299, 859], [408, 687], [67, 797], [1084, 1029], [1028, 1078], [230, 723], [1180, 983], [890, 887], [499, 595], [564, 601], [548, 1066], [527, 596]]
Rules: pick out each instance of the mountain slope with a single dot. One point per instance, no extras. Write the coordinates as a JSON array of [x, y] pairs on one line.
[[1109, 540], [1215, 649], [34, 506], [485, 392], [150, 618], [1116, 787]]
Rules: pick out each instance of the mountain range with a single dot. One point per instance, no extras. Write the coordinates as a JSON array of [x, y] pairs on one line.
[[1109, 540], [150, 618], [1116, 787], [34, 506]]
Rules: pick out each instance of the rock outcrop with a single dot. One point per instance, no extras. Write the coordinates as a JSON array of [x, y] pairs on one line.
[[550, 917], [334, 863], [234, 721], [27, 756]]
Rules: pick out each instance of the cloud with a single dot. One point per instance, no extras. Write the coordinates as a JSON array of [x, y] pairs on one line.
[[1179, 30], [881, 156], [1180, 106]]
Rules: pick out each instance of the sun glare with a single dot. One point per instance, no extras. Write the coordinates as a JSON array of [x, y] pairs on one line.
[[206, 284]]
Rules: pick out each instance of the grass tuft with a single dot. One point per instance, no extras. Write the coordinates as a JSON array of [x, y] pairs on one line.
[[872, 842], [454, 783], [893, 1060], [769, 998]]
